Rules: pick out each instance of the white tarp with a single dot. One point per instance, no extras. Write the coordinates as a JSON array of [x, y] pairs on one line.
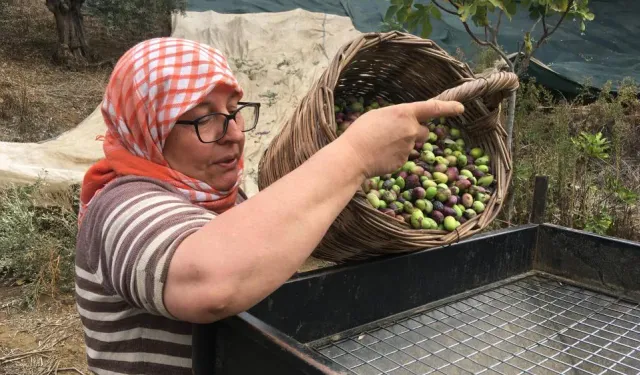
[[275, 56]]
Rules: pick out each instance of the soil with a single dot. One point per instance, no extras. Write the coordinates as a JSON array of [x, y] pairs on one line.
[[40, 99], [40, 340]]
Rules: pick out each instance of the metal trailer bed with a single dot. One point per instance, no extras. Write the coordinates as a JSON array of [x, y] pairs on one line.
[[535, 299]]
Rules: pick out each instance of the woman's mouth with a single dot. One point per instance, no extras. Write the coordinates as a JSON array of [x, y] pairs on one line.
[[228, 163]]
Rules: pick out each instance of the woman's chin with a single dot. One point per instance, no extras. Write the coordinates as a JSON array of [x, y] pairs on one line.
[[225, 181]]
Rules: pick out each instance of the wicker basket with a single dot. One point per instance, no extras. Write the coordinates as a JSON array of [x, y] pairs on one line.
[[400, 68]]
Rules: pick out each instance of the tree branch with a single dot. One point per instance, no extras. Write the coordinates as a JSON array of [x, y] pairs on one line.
[[480, 42], [544, 25], [443, 8], [546, 34], [489, 44], [495, 34]]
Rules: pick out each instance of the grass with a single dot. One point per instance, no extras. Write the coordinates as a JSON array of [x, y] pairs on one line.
[[589, 154], [37, 236]]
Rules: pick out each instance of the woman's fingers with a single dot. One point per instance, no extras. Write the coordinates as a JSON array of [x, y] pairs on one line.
[[427, 110], [423, 134]]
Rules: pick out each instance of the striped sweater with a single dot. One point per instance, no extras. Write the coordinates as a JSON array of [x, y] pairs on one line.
[[124, 247]]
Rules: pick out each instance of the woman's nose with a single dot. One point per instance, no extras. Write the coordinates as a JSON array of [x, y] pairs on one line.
[[234, 132]]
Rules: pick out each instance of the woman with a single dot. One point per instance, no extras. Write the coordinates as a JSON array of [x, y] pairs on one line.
[[163, 241]]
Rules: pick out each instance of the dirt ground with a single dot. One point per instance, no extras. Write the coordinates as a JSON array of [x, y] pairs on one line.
[[39, 99], [40, 341]]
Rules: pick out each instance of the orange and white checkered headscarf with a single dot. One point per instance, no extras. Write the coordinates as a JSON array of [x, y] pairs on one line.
[[151, 86]]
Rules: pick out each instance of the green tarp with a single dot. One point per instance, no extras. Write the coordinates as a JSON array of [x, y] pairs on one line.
[[609, 50]]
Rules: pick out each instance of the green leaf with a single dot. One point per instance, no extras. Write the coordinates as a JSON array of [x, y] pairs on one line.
[[402, 14], [589, 16], [397, 2], [464, 12], [435, 12], [426, 28], [391, 12], [474, 8], [534, 12], [480, 18], [413, 20], [559, 5], [408, 3], [497, 3], [583, 27], [511, 8]]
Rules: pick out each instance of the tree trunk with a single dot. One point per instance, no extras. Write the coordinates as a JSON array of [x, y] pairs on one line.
[[72, 44]]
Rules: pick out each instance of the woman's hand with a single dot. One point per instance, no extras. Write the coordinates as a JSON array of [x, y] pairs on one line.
[[383, 138]]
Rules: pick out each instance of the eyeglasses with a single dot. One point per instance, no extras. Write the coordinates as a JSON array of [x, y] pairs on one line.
[[212, 127]]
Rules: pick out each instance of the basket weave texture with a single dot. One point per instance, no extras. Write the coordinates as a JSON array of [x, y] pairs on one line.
[[398, 67]]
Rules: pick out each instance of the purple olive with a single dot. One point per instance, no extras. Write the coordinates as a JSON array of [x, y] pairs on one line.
[[398, 208], [448, 211], [442, 168], [438, 206], [452, 201], [421, 164], [463, 184], [437, 216], [388, 184], [418, 193], [452, 173], [412, 181]]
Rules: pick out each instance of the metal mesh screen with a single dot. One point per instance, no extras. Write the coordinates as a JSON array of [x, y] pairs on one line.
[[532, 326]]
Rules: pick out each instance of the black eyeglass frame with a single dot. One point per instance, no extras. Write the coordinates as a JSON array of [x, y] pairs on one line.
[[225, 126]]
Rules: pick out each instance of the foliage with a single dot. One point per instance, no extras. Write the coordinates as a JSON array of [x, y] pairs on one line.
[[135, 16], [592, 145], [37, 238], [411, 16], [589, 154]]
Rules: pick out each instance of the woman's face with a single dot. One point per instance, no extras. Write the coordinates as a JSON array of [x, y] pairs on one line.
[[214, 163]]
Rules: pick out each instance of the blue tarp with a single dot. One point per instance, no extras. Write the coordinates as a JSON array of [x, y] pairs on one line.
[[609, 50]]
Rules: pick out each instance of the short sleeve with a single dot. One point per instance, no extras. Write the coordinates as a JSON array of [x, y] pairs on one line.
[[139, 227]]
